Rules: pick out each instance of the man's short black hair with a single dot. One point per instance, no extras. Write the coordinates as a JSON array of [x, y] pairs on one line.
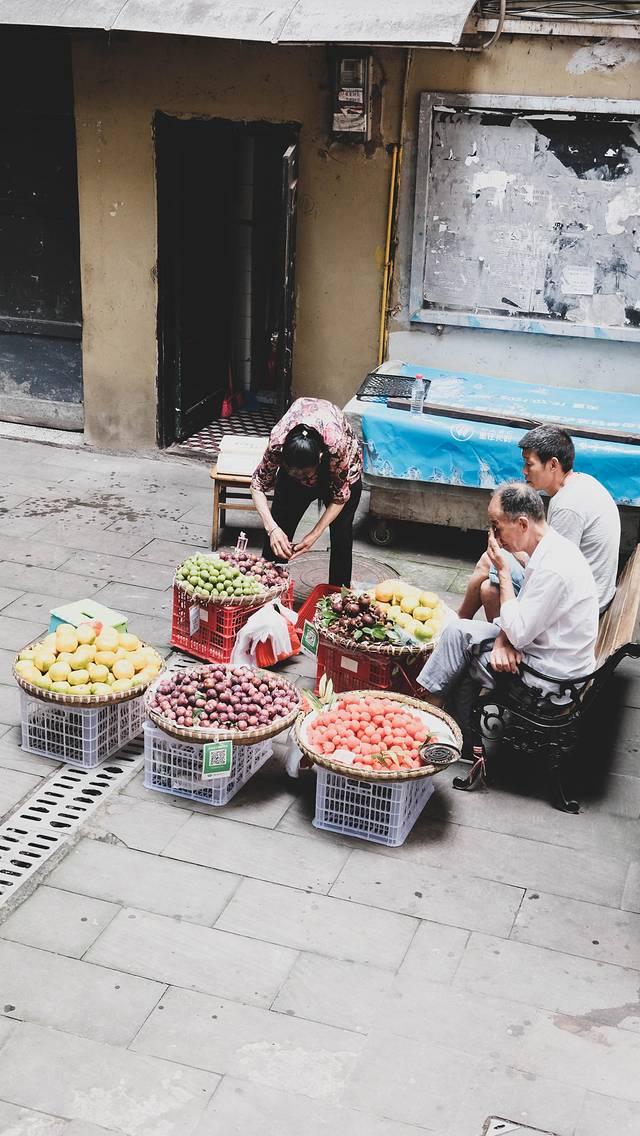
[[548, 442], [517, 499]]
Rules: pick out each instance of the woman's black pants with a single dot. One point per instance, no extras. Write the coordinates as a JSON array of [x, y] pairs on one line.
[[291, 501]]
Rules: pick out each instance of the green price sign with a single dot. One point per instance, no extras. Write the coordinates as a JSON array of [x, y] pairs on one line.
[[309, 640], [217, 759]]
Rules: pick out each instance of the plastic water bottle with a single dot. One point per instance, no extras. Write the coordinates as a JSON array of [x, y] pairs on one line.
[[242, 542], [417, 395]]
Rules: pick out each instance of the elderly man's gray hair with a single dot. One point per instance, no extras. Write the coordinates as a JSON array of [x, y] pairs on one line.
[[517, 499]]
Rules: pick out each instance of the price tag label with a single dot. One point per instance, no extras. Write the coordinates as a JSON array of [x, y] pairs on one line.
[[194, 619], [309, 641], [217, 759]]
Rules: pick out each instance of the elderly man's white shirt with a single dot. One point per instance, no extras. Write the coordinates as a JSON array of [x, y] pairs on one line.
[[554, 620]]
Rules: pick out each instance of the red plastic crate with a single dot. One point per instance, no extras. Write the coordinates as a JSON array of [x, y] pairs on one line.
[[356, 670], [308, 609], [219, 625]]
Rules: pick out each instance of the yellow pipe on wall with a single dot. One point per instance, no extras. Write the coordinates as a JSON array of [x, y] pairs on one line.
[[386, 277]]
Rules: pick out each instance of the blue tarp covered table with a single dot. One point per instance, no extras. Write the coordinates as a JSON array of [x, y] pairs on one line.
[[455, 451]]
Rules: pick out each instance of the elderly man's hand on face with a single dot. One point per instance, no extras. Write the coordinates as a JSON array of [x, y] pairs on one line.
[[496, 554]]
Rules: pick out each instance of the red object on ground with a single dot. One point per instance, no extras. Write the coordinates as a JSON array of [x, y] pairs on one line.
[[359, 670], [264, 652], [308, 609], [214, 639]]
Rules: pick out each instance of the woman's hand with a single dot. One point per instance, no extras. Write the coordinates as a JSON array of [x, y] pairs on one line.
[[304, 545], [280, 543]]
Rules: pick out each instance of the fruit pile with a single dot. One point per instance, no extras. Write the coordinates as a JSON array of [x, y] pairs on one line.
[[209, 577], [419, 614], [356, 616], [89, 659], [378, 733], [250, 564], [223, 698]]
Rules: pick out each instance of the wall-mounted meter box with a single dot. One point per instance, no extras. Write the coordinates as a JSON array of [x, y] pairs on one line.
[[352, 95]]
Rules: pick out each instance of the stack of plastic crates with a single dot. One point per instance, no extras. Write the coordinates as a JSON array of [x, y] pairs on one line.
[[172, 766], [219, 624], [83, 736], [381, 811]]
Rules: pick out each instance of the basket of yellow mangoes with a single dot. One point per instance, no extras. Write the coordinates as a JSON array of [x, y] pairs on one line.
[[419, 614], [86, 665]]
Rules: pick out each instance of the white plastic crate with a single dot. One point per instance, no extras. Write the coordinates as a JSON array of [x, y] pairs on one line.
[[172, 766], [83, 736], [382, 811]]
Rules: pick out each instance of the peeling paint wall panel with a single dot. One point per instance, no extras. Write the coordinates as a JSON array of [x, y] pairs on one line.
[[533, 214]]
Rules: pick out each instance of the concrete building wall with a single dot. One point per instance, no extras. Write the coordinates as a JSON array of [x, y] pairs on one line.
[[120, 84], [523, 66]]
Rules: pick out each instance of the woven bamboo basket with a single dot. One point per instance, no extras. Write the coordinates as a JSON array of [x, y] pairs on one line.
[[83, 701], [264, 596], [239, 737], [362, 774], [369, 647]]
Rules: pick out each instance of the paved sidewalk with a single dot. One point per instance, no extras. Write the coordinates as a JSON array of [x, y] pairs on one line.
[[183, 973]]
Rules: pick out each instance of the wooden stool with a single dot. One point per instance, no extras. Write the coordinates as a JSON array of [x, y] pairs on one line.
[[230, 491]]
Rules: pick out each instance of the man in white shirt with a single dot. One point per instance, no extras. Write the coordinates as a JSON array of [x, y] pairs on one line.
[[552, 624], [581, 509]]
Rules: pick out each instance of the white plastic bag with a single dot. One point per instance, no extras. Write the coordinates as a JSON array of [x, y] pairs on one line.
[[270, 622]]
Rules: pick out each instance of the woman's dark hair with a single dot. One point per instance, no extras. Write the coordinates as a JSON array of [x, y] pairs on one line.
[[304, 448]]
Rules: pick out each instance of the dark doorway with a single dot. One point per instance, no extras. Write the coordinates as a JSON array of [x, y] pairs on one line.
[[226, 243], [40, 305]]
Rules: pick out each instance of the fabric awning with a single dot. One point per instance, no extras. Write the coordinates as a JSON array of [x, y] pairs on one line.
[[263, 21]]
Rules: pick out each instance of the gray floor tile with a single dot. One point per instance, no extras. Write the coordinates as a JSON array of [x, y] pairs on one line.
[[111, 1087], [271, 1049], [152, 883], [73, 996], [558, 1047], [551, 980], [7, 595], [10, 705], [536, 1102], [198, 958], [170, 552], [14, 786], [429, 893], [435, 952], [240, 1108], [604, 1116], [35, 552], [631, 895], [327, 926], [123, 569], [6, 667], [142, 601], [402, 1081], [12, 756], [585, 929], [16, 1121], [145, 825], [514, 860], [85, 1128], [35, 608], [66, 585], [15, 632], [92, 538], [252, 851], [58, 921], [343, 994], [263, 801]]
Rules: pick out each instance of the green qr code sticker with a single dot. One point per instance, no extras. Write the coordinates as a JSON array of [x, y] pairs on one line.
[[309, 641], [217, 759]]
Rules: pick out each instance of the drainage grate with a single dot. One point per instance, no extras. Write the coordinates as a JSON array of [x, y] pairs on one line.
[[497, 1126], [50, 818]]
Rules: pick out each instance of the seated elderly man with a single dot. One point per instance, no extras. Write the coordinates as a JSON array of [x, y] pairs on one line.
[[580, 509], [551, 625]]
